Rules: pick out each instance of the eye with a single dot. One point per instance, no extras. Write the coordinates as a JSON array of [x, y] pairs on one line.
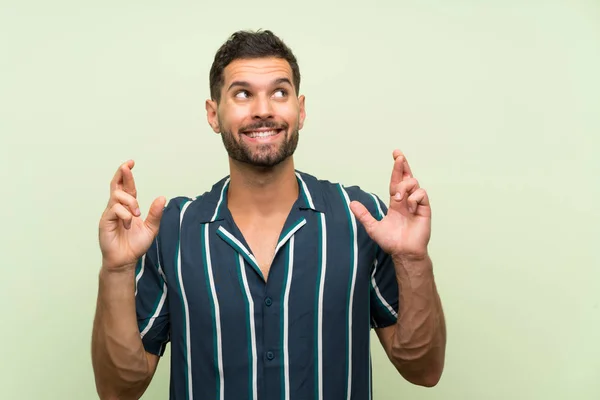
[[280, 93], [242, 94]]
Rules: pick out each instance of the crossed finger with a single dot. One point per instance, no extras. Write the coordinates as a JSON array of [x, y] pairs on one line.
[[406, 188], [123, 179], [418, 198], [400, 172], [119, 196]]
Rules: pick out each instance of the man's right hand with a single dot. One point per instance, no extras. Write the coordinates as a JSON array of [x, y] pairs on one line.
[[123, 235]]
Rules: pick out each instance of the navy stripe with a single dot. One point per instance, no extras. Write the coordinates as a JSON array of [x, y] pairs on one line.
[[378, 215], [221, 232], [292, 226], [184, 330], [249, 342], [212, 310], [319, 279], [138, 266], [349, 293], [247, 338], [154, 309], [282, 311]]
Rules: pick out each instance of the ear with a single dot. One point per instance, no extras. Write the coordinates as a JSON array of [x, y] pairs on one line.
[[302, 112], [211, 115]]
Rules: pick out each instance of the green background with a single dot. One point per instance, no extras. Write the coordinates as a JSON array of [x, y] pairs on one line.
[[496, 105]]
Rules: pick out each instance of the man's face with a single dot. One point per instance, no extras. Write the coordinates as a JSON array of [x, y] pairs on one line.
[[259, 115]]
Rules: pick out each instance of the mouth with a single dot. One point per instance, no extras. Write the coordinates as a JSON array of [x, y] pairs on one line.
[[262, 134]]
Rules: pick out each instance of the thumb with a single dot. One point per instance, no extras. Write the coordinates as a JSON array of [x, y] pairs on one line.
[[155, 214], [364, 216]]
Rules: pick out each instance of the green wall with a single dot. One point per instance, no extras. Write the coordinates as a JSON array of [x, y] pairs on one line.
[[496, 106]]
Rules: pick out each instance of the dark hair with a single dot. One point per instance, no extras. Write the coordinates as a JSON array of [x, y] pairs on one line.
[[248, 45]]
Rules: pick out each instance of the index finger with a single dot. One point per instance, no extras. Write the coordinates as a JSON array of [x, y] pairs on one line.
[[400, 171], [128, 181], [407, 171], [117, 180]]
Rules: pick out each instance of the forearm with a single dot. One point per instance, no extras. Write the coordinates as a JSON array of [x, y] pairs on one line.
[[120, 363], [419, 339]]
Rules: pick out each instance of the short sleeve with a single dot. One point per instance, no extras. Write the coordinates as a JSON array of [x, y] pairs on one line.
[[151, 301], [383, 283]]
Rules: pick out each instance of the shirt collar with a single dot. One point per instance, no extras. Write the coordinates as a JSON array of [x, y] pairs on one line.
[[214, 207], [311, 194]]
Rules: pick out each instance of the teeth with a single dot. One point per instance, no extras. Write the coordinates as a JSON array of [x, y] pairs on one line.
[[261, 134]]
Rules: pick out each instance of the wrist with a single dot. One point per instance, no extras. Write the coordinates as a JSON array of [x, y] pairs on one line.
[[413, 268], [412, 258], [110, 269]]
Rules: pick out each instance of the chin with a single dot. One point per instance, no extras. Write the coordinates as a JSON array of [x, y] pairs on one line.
[[266, 163]]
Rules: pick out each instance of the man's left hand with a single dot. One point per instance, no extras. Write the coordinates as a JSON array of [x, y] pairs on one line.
[[405, 231]]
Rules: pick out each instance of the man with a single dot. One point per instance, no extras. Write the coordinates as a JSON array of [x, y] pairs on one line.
[[266, 286]]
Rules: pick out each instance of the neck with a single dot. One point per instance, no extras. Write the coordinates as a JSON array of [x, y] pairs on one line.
[[262, 191]]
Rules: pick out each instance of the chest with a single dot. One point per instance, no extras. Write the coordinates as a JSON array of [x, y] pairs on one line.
[[317, 290], [311, 257], [262, 239], [261, 260]]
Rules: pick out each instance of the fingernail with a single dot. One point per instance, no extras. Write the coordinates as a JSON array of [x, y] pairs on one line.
[[398, 196], [137, 211]]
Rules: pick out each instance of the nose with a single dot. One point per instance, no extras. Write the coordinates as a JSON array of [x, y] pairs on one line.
[[262, 108]]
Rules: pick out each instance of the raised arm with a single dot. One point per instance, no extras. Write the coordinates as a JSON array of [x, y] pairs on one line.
[[122, 367], [416, 343]]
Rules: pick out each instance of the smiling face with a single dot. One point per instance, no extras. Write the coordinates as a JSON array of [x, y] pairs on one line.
[[259, 114]]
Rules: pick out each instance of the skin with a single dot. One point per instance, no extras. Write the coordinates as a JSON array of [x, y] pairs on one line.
[[122, 367], [258, 95], [416, 344]]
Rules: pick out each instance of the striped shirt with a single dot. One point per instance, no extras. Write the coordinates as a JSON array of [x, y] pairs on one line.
[[302, 334]]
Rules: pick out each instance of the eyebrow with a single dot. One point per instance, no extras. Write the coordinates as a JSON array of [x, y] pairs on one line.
[[245, 84]]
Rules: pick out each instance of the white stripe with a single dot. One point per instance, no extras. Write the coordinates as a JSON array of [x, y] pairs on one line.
[[163, 297], [311, 204], [320, 306], [306, 192], [234, 240], [139, 275], [350, 305], [214, 295], [286, 297], [220, 200], [185, 303], [287, 237], [217, 313], [160, 270], [379, 295], [378, 205], [161, 303], [252, 328]]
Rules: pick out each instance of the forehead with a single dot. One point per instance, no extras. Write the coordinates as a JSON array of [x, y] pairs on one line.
[[257, 71]]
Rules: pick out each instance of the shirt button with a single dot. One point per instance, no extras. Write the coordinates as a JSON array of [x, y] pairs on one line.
[[268, 301], [270, 355]]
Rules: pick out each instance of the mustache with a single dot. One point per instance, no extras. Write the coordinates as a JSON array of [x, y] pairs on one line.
[[264, 124]]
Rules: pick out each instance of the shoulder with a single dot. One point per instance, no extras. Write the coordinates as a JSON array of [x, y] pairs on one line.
[[338, 195], [176, 204], [201, 206]]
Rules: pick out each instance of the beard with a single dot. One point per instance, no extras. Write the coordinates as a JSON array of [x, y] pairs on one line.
[[263, 155]]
